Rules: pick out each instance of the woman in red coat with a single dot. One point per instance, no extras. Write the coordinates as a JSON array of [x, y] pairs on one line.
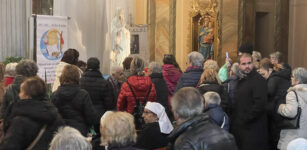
[[140, 85]]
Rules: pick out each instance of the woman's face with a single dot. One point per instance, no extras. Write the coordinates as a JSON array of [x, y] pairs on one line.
[[265, 73], [149, 116], [22, 94], [293, 80]]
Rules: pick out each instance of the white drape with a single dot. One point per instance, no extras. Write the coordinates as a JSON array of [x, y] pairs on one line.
[[90, 25], [13, 27]]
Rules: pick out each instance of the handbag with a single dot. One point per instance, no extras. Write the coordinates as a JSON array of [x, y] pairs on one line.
[[292, 123], [139, 109]]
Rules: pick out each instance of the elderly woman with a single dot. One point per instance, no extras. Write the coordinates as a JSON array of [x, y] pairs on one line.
[[118, 131], [297, 96], [210, 82], [10, 73], [215, 111], [68, 138], [32, 117], [155, 73], [138, 87], [191, 76], [70, 56], [24, 69], [74, 104], [158, 126]]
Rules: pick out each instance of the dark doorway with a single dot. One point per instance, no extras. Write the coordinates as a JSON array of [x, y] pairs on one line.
[[264, 32]]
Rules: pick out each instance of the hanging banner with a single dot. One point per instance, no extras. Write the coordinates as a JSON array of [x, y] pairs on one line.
[[139, 42], [51, 42]]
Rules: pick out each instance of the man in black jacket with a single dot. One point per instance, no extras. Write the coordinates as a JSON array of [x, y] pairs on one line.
[[196, 131], [249, 120]]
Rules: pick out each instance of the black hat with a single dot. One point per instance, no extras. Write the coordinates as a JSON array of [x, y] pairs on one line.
[[93, 63], [246, 48]]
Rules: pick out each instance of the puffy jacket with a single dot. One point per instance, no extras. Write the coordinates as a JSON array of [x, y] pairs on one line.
[[190, 77], [217, 114], [140, 86], [200, 133], [75, 106], [10, 98], [99, 90], [289, 110], [171, 76], [28, 118]]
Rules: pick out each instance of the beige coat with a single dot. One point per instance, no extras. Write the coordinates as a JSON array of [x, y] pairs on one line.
[[290, 110]]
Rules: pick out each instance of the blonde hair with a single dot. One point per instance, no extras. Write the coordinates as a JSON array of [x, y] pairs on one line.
[[137, 66], [211, 64], [117, 128], [210, 75]]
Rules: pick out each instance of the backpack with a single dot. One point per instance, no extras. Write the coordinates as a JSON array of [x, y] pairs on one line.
[[139, 109]]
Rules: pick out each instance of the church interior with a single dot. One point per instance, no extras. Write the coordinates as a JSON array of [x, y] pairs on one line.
[[170, 27]]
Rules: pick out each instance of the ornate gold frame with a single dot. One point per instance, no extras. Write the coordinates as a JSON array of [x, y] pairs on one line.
[[196, 14]]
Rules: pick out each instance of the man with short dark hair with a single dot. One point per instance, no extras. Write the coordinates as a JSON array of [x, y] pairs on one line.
[[195, 130], [249, 120]]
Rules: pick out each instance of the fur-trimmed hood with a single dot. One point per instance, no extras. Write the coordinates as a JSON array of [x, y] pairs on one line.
[[298, 88]]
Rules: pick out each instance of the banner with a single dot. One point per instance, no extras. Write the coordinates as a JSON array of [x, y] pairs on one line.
[[139, 42], [51, 42]]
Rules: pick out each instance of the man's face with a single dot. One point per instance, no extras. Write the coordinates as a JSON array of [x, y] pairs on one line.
[[246, 64], [119, 75]]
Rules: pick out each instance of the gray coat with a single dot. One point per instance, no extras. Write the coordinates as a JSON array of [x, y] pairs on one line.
[[290, 110]]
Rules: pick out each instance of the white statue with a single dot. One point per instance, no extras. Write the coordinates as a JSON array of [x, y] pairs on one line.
[[120, 39]]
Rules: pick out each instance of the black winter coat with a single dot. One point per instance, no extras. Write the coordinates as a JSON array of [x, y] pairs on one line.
[[151, 137], [161, 90], [189, 78], [99, 90], [28, 118], [200, 133], [249, 119], [10, 97], [278, 84], [76, 108]]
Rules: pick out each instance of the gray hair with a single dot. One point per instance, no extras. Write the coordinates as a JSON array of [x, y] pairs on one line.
[[116, 69], [256, 56], [276, 55], [137, 66], [68, 138], [212, 98], [211, 64], [187, 103], [27, 68], [10, 69], [196, 58], [300, 74], [155, 67]]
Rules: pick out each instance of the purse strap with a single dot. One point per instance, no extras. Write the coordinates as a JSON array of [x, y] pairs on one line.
[[299, 105], [37, 138], [137, 100]]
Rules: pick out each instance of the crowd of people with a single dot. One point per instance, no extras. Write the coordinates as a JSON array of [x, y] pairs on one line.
[[253, 104]]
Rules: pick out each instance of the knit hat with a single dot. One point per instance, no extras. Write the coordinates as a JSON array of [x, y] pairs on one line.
[[93, 63], [246, 48], [165, 124]]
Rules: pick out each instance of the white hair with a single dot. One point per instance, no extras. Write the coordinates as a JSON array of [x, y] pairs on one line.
[[212, 98], [196, 58], [115, 69], [68, 138], [10, 69], [155, 67], [300, 74]]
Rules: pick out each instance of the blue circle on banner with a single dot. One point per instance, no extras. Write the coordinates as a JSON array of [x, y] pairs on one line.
[[51, 44]]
